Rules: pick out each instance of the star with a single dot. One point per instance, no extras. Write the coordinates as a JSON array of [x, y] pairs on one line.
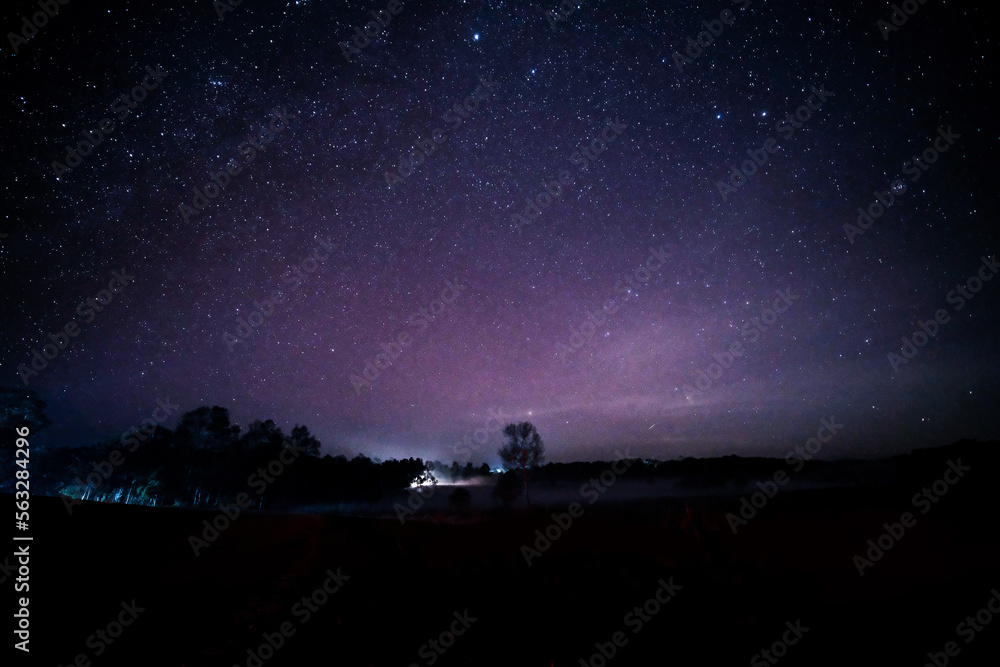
[[582, 242]]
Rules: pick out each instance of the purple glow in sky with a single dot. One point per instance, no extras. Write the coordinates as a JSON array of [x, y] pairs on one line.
[[573, 235]]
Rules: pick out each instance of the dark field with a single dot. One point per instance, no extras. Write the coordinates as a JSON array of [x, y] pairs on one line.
[[402, 584]]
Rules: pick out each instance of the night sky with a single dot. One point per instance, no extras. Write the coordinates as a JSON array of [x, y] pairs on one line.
[[647, 231]]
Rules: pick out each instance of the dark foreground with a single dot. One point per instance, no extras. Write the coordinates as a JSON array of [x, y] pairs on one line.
[[399, 586]]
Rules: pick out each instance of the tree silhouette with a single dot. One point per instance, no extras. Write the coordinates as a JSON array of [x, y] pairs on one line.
[[524, 450], [21, 407], [207, 428], [262, 438], [18, 408], [205, 462], [303, 438], [207, 438]]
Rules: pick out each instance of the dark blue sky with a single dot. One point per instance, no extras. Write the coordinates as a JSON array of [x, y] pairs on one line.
[[571, 245]]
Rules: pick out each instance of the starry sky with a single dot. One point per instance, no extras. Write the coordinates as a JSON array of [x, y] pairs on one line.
[[483, 309]]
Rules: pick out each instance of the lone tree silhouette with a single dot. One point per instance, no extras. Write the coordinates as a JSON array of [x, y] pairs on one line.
[[524, 450]]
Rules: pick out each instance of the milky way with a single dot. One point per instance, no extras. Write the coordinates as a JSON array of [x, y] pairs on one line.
[[690, 229]]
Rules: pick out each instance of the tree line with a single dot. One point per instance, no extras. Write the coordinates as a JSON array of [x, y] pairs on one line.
[[204, 461]]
